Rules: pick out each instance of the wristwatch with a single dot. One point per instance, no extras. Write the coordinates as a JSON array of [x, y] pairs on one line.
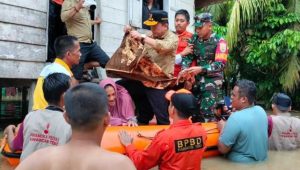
[[143, 38]]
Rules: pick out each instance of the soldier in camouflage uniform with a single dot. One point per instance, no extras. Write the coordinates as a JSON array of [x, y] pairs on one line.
[[210, 56]]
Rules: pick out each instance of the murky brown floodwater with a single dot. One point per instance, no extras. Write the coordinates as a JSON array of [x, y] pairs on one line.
[[278, 160]]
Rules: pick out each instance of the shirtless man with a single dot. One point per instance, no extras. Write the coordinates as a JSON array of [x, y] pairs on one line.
[[87, 113]]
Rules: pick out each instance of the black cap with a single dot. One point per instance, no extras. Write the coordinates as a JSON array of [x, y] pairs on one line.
[[185, 103], [157, 16], [282, 101]]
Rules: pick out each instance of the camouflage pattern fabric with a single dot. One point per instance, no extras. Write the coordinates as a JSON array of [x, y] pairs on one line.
[[208, 86]]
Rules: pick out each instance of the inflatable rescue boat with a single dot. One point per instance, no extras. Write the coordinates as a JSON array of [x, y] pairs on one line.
[[142, 138]]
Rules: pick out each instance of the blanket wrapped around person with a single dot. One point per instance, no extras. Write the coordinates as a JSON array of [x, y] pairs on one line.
[[130, 61]]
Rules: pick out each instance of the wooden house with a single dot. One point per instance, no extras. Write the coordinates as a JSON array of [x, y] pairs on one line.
[[23, 33]]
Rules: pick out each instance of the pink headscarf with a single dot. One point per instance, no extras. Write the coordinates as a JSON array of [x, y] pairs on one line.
[[124, 108]]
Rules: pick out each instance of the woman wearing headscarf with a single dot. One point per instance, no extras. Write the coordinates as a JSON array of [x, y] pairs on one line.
[[120, 104]]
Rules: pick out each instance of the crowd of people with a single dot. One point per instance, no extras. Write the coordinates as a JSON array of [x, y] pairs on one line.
[[69, 119]]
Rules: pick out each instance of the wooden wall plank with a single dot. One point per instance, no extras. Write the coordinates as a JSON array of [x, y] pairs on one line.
[[22, 52], [23, 38], [112, 30], [114, 15], [109, 44], [21, 69], [17, 33], [22, 16], [38, 5], [115, 4]]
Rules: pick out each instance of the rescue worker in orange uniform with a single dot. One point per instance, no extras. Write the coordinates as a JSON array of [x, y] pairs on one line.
[[179, 147], [182, 20]]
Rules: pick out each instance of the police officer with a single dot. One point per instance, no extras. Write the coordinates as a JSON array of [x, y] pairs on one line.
[[210, 53], [160, 47], [179, 147]]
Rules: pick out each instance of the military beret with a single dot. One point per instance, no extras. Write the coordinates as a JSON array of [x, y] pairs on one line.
[[202, 18]]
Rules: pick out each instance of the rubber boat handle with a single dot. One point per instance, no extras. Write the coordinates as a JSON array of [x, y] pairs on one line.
[[143, 136]]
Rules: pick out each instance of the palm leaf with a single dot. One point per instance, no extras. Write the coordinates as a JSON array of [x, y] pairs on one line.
[[297, 11], [243, 12], [233, 26], [294, 6], [290, 76], [218, 10]]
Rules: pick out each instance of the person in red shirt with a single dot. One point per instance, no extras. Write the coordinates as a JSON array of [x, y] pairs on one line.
[[179, 147], [182, 20]]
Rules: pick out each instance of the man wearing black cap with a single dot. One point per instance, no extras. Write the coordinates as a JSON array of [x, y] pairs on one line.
[[160, 47], [285, 129], [179, 147], [210, 53]]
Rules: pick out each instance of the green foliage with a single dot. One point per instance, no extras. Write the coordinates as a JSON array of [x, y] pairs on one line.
[[220, 30], [220, 11], [244, 12], [269, 52], [233, 25], [265, 44], [290, 77], [294, 6]]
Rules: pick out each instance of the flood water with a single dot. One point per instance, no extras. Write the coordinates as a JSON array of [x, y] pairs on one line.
[[277, 160]]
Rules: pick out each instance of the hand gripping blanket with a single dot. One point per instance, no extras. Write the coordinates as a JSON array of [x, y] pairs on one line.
[[130, 62]]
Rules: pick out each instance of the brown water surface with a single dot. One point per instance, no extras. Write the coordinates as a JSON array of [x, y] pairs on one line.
[[278, 160]]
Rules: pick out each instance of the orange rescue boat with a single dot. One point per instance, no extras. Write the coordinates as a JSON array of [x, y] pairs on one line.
[[142, 138]]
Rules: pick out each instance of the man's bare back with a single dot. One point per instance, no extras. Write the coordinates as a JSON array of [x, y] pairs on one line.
[[75, 157]]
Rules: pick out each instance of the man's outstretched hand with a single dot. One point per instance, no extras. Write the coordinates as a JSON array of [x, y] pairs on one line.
[[125, 138], [98, 20]]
